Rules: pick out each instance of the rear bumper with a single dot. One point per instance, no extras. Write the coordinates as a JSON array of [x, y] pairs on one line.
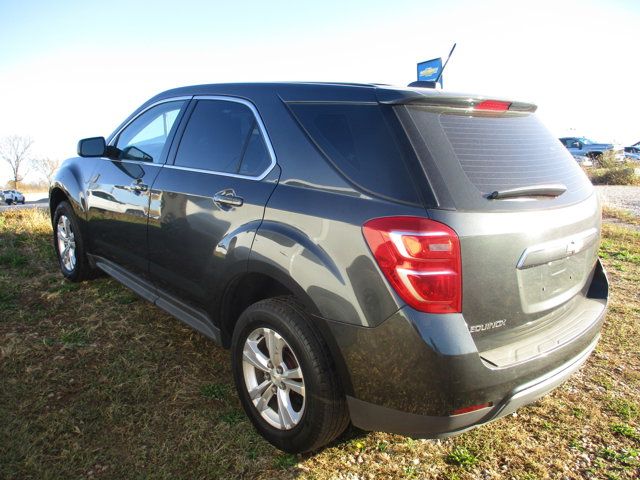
[[368, 416], [409, 374]]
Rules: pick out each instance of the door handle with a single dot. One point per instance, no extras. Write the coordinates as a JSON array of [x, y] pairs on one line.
[[227, 198], [136, 187]]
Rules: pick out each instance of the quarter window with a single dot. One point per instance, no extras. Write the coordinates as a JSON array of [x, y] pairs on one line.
[[223, 136], [145, 138], [362, 144]]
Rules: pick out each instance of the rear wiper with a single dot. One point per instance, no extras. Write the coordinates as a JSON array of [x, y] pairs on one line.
[[554, 190]]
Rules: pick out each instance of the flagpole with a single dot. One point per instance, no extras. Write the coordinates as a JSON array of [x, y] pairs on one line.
[[445, 64]]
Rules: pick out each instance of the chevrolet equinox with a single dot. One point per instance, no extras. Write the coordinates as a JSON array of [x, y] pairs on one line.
[[405, 259]]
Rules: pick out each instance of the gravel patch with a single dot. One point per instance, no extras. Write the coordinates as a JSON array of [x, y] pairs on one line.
[[620, 196]]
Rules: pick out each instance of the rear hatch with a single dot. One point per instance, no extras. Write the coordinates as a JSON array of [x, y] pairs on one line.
[[527, 217]]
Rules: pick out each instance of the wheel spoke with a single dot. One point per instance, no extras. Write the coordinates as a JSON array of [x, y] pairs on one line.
[[65, 221], [285, 410], [297, 387], [274, 344], [254, 356], [259, 390], [292, 373], [263, 402]]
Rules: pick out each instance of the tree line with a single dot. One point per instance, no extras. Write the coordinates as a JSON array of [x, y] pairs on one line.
[[15, 150]]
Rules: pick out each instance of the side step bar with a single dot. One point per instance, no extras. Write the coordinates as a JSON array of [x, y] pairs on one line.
[[196, 319]]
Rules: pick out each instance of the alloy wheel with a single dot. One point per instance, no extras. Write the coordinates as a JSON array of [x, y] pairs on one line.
[[273, 378], [66, 243]]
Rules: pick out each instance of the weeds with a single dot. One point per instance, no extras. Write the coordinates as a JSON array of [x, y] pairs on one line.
[[285, 461], [461, 457], [625, 430], [625, 409], [215, 391]]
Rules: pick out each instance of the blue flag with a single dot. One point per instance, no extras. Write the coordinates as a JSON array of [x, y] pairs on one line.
[[429, 70]]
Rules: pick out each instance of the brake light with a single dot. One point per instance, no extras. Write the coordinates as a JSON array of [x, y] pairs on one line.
[[421, 260], [492, 105]]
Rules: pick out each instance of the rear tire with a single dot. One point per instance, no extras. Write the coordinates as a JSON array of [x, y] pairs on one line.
[[69, 245], [296, 412]]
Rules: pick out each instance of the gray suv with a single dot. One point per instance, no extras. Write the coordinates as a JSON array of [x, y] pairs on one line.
[[404, 259]]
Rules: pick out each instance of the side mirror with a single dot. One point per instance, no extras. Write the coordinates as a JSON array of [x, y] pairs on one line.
[[134, 153], [577, 145], [92, 147]]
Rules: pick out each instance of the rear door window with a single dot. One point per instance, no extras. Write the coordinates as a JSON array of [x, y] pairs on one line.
[[223, 136]]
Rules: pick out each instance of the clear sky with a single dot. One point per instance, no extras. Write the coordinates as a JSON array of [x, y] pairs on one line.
[[72, 69]]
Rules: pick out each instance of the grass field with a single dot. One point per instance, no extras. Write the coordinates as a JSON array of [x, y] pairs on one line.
[[96, 383]]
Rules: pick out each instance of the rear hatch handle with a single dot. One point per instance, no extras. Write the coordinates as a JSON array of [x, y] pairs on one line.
[[552, 190], [557, 249]]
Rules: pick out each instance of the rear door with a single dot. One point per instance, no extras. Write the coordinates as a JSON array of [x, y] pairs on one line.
[[118, 193], [208, 202], [527, 259]]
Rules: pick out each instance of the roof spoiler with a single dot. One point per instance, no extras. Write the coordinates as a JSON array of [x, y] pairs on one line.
[[454, 102]]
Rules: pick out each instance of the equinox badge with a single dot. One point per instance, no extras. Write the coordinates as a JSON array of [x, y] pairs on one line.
[[487, 326]]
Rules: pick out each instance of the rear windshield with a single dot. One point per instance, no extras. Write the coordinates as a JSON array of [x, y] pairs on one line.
[[468, 157], [363, 144]]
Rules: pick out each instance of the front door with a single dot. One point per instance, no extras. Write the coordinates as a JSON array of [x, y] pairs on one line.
[[118, 193], [207, 204]]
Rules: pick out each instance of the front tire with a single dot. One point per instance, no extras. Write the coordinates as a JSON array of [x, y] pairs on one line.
[[69, 245], [285, 377]]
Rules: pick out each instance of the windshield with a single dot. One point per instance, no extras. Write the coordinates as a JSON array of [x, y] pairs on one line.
[[586, 141]]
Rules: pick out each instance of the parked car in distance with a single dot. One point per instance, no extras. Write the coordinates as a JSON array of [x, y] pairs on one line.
[[583, 161], [376, 255], [583, 147], [632, 152], [12, 196]]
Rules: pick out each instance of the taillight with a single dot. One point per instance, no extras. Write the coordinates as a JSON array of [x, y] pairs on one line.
[[421, 260], [492, 105]]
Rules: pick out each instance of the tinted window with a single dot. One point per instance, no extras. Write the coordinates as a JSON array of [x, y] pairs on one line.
[[223, 136], [502, 153], [477, 155], [145, 138], [360, 142], [256, 157]]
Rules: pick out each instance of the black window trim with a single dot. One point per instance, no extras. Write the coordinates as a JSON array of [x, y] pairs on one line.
[[263, 132]]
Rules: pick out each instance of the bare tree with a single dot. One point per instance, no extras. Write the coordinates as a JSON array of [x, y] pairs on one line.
[[46, 167], [15, 151]]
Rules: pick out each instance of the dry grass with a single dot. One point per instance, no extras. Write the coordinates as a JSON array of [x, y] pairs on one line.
[[97, 383], [621, 174], [620, 216]]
